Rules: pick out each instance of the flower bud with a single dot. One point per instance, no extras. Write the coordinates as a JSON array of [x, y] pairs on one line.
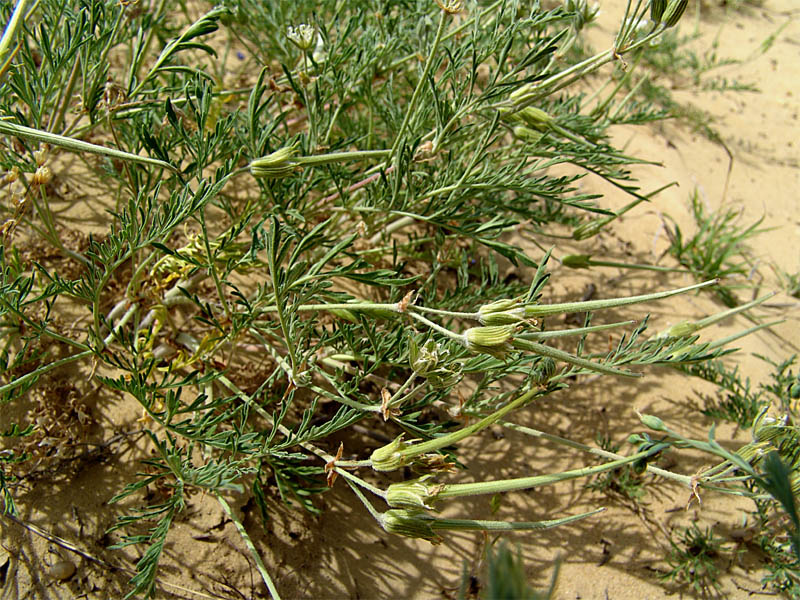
[[492, 340], [388, 457], [652, 422], [794, 389], [682, 329], [501, 312], [674, 12], [543, 371], [301, 36], [587, 230], [410, 523], [11, 176], [415, 494], [526, 134], [657, 10], [576, 261], [536, 118], [276, 165]]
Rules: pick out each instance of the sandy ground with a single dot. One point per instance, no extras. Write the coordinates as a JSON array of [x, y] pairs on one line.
[[617, 555]]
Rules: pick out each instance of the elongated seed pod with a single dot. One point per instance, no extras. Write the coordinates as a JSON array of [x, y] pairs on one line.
[[674, 12]]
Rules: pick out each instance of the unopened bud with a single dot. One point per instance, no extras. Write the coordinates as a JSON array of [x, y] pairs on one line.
[[652, 422], [388, 457], [543, 371], [657, 10], [587, 230], [409, 523], [674, 12], [415, 494], [682, 329], [11, 176], [492, 340], [501, 312], [794, 389], [536, 118], [526, 134], [576, 261], [276, 165]]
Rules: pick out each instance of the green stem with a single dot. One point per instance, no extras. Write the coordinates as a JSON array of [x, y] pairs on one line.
[[251, 547], [458, 337], [524, 483], [452, 438], [423, 80], [540, 310], [560, 355], [474, 524], [559, 333], [684, 479], [11, 28], [212, 266], [78, 145]]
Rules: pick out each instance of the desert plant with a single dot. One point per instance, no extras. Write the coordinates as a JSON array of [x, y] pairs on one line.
[[319, 246]]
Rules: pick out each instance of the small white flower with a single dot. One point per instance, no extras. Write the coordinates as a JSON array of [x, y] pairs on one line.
[[301, 36]]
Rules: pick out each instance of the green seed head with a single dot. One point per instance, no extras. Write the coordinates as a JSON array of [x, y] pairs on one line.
[[409, 523], [388, 457]]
